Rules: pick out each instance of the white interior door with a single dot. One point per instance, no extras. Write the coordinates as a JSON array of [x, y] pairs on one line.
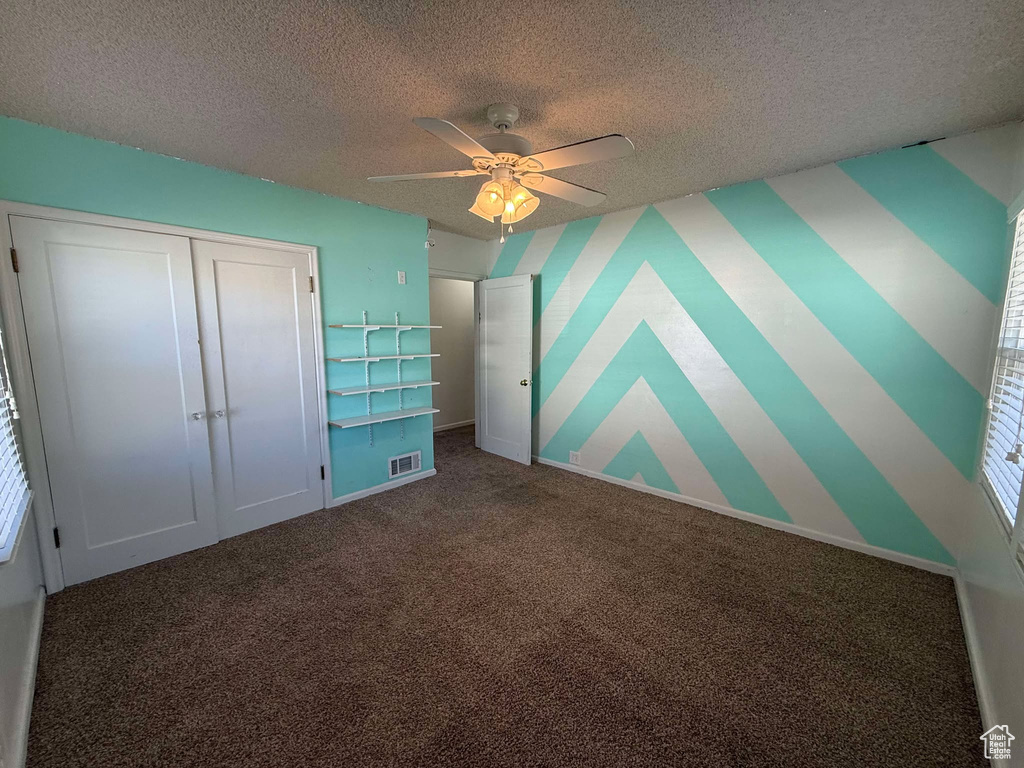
[[259, 354], [111, 320], [505, 360]]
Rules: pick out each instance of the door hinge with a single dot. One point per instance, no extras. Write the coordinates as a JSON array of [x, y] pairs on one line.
[[311, 288], [14, 259], [323, 476], [56, 538]]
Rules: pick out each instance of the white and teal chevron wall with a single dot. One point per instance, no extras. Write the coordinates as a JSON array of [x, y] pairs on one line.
[[813, 349]]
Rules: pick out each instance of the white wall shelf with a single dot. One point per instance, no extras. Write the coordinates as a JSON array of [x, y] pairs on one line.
[[371, 418], [382, 327], [377, 358], [383, 387], [378, 418]]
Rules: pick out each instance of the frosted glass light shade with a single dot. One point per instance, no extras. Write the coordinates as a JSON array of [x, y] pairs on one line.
[[480, 212], [491, 199], [519, 204]]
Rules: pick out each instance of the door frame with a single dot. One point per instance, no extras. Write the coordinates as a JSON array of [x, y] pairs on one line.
[[16, 340], [469, 277]]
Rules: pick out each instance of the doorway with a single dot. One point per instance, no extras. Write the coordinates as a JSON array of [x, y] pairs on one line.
[[452, 307], [485, 367]]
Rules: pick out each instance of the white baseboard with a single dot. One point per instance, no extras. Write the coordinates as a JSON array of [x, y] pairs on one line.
[[455, 425], [397, 482], [981, 687], [23, 713], [807, 533]]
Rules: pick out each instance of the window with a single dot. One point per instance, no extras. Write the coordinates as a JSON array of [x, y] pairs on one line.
[[14, 493], [1003, 458]]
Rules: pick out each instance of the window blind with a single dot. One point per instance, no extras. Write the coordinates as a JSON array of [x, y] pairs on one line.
[[13, 483], [1003, 459]]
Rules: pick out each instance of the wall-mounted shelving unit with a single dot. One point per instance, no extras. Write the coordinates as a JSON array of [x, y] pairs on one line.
[[371, 418]]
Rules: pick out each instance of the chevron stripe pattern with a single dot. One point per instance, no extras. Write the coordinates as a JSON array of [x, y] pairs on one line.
[[813, 349]]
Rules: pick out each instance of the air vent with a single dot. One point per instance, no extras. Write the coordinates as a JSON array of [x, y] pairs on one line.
[[403, 465]]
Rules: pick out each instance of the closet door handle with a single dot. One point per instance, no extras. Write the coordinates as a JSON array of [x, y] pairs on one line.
[[219, 414], [197, 415]]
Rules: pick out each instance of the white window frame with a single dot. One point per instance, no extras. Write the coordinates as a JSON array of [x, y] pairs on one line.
[[1014, 529]]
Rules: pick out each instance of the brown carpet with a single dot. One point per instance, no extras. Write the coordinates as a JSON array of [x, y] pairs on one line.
[[502, 615]]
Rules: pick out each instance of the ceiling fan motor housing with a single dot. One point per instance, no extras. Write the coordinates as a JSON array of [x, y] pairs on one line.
[[506, 144]]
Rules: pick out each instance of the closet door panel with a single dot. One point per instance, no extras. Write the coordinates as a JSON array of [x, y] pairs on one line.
[[259, 355], [111, 321]]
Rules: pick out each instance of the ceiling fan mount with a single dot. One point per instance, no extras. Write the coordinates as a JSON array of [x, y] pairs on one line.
[[502, 116], [509, 160]]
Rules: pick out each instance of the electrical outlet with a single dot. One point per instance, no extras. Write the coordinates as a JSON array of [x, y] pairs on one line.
[[401, 278], [574, 457]]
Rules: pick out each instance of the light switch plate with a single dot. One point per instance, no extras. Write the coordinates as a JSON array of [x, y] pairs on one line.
[[574, 457], [401, 278]]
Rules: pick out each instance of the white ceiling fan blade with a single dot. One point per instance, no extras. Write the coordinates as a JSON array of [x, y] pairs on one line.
[[433, 175], [590, 151], [450, 134], [563, 189]]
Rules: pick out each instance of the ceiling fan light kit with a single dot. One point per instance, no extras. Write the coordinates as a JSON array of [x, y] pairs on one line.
[[509, 161]]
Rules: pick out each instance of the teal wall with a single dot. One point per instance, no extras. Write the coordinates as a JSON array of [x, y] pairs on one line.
[[813, 350], [361, 249]]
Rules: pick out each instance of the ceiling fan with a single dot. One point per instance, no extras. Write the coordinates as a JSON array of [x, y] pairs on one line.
[[514, 170]]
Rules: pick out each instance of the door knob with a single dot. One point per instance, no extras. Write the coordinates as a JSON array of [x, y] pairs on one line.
[[524, 383], [196, 416]]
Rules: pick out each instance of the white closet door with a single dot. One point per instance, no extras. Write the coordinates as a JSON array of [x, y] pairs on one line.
[[111, 321], [259, 354]]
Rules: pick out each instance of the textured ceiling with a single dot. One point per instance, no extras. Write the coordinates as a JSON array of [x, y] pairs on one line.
[[321, 94]]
